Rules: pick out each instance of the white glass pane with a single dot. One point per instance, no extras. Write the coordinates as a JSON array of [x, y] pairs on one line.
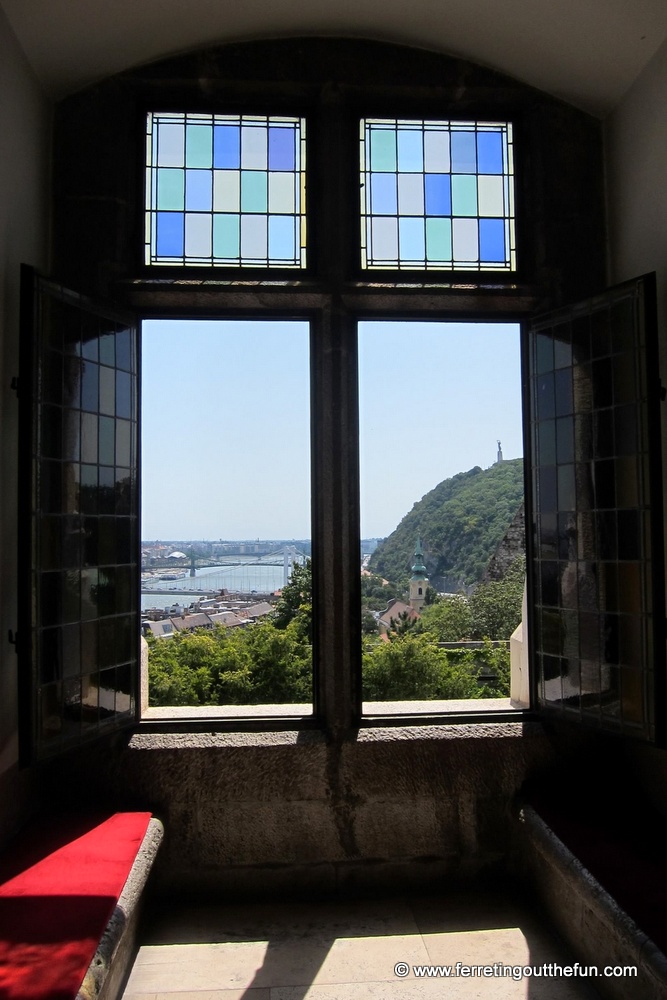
[[384, 245], [436, 152], [226, 190], [465, 240], [281, 193], [411, 194], [253, 148], [253, 236], [197, 235], [490, 195], [170, 145]]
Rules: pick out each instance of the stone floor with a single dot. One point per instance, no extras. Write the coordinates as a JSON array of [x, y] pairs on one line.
[[348, 951]]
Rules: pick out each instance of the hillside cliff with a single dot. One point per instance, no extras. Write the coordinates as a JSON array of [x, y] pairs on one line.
[[462, 522]]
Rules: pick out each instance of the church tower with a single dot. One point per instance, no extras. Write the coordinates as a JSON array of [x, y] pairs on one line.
[[418, 580]]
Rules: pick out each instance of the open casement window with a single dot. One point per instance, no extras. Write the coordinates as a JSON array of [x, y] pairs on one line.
[[597, 512], [79, 627]]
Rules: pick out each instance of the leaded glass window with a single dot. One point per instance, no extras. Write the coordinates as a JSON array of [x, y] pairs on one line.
[[437, 195], [599, 624], [225, 190], [79, 623]]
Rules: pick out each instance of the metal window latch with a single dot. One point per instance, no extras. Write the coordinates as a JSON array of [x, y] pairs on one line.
[[14, 384], [13, 639]]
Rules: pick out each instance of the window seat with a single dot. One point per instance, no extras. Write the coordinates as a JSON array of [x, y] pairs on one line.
[[597, 863], [70, 888]]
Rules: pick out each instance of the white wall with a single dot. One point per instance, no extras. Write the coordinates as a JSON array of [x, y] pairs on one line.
[[636, 163], [24, 132]]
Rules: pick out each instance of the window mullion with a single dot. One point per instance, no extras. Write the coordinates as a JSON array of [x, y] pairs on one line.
[[336, 519]]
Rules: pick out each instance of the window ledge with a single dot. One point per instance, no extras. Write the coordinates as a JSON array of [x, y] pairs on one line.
[[151, 739]]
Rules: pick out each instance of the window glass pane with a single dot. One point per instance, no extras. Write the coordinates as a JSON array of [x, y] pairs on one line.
[[446, 189], [226, 512], [440, 498], [225, 190]]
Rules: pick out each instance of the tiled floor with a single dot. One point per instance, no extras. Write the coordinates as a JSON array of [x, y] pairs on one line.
[[348, 951]]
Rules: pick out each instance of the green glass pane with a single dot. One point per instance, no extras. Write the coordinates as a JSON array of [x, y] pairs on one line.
[[464, 195], [253, 191], [170, 192], [383, 149], [438, 239], [199, 146], [226, 236]]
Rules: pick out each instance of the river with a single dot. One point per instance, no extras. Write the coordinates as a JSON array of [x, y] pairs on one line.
[[246, 578]]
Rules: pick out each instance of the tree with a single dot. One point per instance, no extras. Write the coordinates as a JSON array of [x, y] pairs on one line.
[[412, 667], [402, 625], [448, 620], [296, 601], [496, 605]]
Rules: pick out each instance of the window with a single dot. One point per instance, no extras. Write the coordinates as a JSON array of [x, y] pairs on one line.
[[437, 194], [226, 517], [225, 190], [439, 500], [373, 256]]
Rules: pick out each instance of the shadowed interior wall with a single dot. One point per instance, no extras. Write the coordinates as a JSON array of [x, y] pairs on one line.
[[24, 226], [287, 812]]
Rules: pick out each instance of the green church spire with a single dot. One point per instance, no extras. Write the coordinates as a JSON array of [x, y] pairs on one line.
[[419, 569]]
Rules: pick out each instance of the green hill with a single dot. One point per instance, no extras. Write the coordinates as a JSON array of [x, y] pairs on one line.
[[461, 522]]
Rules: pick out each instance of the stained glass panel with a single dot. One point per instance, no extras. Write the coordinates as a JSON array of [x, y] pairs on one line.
[[437, 195], [225, 190]]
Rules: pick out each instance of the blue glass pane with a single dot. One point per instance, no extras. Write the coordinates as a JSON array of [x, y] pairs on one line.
[[383, 194], [410, 150], [198, 194], [281, 149], [169, 234], [227, 147], [491, 240], [464, 159], [489, 153], [411, 239], [281, 238], [438, 194]]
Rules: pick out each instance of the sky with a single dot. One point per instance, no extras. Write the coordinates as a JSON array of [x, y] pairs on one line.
[[225, 421]]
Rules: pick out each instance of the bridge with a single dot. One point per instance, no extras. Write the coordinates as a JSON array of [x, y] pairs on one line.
[[246, 575]]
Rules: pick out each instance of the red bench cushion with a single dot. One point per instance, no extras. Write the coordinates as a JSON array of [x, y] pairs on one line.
[[59, 888]]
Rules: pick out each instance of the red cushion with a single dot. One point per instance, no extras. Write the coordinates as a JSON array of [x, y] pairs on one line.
[[61, 885]]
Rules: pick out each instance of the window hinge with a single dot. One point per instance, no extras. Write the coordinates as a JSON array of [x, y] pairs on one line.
[[14, 384], [13, 639], [663, 393]]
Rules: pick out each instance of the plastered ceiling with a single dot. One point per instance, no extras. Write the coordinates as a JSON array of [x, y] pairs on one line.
[[586, 51]]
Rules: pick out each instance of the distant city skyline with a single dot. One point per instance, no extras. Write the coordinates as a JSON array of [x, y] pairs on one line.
[[225, 421]]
